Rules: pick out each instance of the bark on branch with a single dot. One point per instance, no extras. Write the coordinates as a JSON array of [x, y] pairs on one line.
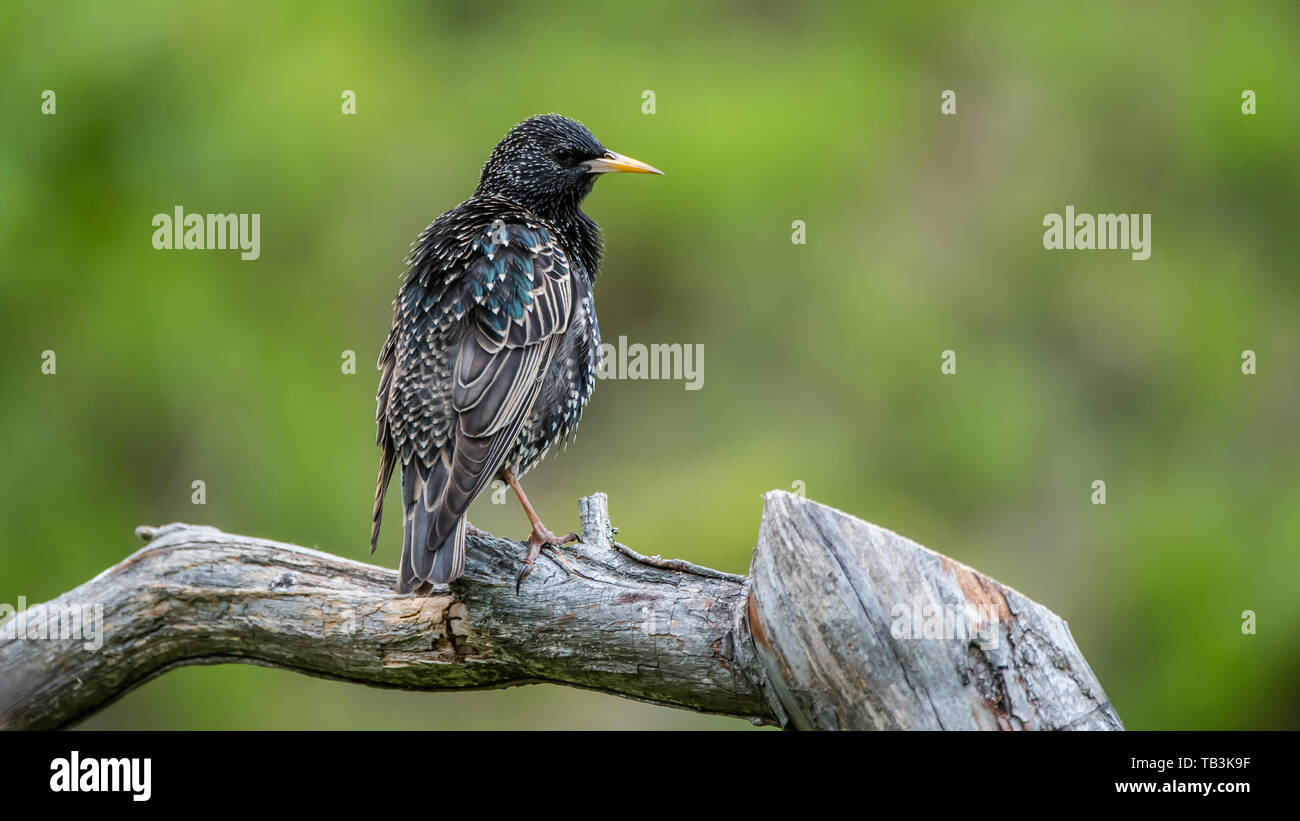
[[813, 638]]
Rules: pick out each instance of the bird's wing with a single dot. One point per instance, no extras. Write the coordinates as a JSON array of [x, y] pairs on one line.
[[466, 379]]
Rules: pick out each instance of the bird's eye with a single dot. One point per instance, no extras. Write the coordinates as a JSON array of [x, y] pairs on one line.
[[566, 155]]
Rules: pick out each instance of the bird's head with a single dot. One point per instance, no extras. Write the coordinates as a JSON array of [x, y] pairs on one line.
[[549, 164]]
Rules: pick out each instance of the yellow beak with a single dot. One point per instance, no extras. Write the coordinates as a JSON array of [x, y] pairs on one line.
[[613, 163]]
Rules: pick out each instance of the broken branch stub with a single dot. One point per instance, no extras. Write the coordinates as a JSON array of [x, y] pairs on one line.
[[856, 627]]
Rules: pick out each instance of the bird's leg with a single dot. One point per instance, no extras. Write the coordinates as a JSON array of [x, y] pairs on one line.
[[540, 535]]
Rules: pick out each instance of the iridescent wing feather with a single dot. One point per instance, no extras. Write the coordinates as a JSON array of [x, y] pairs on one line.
[[477, 324]]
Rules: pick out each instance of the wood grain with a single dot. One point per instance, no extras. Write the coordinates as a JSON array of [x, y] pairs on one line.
[[804, 642]]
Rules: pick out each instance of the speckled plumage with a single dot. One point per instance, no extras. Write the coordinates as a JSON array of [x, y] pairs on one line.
[[494, 346]]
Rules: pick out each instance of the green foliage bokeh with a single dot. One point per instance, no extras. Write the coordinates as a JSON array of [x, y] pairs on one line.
[[821, 360]]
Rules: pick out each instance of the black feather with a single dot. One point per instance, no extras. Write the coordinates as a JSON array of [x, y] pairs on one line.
[[494, 345]]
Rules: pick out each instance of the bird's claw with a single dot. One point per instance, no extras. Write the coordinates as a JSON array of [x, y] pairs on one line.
[[524, 572], [539, 538]]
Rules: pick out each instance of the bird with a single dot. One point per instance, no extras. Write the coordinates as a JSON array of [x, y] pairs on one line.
[[494, 345]]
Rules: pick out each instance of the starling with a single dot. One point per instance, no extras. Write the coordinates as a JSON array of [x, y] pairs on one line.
[[494, 346]]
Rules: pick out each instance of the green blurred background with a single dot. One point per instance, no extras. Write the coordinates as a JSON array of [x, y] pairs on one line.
[[924, 233]]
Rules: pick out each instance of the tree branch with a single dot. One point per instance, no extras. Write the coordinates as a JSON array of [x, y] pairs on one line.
[[805, 641]]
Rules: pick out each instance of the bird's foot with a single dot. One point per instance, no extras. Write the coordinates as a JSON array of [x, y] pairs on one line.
[[476, 532], [540, 538]]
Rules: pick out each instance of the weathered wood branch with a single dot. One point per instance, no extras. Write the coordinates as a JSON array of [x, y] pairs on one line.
[[815, 637]]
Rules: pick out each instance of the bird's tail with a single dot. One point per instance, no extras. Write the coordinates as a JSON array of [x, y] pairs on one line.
[[433, 541]]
